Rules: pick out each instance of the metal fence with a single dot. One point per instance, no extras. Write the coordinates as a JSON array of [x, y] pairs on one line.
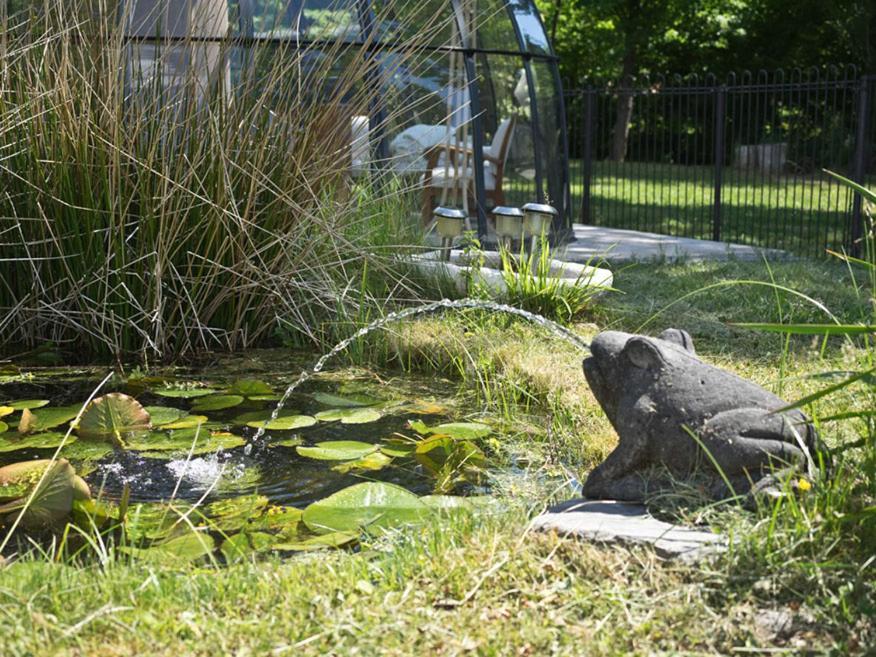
[[740, 160]]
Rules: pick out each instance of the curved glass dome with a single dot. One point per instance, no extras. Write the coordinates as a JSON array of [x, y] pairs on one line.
[[461, 82]]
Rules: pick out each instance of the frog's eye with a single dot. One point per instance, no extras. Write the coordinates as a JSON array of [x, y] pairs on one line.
[[678, 337], [643, 353]]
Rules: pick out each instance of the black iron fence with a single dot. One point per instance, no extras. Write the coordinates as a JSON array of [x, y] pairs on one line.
[[740, 160]]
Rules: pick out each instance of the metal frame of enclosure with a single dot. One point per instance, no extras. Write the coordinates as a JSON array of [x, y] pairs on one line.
[[490, 65]]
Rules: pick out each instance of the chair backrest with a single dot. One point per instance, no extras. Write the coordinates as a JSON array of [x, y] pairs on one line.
[[360, 143], [502, 140]]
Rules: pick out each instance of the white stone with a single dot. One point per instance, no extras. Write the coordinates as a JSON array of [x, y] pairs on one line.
[[609, 521]]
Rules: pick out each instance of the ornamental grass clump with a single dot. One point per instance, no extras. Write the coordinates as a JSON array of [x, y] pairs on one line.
[[143, 219]]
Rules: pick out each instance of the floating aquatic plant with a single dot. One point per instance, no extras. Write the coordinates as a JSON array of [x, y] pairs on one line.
[[112, 417], [337, 450], [41, 491], [349, 415]]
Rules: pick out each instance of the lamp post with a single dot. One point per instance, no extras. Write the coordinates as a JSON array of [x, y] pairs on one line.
[[509, 224], [450, 223]]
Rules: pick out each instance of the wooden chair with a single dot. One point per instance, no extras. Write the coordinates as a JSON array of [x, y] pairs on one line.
[[461, 180]]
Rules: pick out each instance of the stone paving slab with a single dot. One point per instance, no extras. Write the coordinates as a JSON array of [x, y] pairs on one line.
[[618, 245], [609, 521]]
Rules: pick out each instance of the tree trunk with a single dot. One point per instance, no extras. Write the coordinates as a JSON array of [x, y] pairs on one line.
[[624, 107]]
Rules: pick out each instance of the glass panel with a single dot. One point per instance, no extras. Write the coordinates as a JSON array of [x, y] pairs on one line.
[[490, 24], [306, 20], [530, 26], [508, 139], [416, 22], [548, 132]]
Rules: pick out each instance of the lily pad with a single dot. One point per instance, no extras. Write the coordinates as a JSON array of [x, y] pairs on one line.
[[422, 407], [349, 415], [29, 404], [371, 504], [232, 514], [155, 521], [184, 393], [459, 430], [111, 417], [163, 445], [441, 451], [320, 542], [216, 402], [47, 418], [186, 422], [3, 427], [285, 423], [161, 415], [264, 398], [262, 416], [399, 448], [85, 451], [294, 441], [46, 440], [371, 462], [6, 410], [187, 548], [245, 544], [250, 387], [51, 487], [337, 450], [347, 401], [284, 519]]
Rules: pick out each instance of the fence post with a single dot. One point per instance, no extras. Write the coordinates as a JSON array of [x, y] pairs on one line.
[[720, 111], [587, 155], [859, 165]]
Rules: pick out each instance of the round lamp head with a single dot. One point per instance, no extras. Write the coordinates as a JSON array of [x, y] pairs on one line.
[[509, 221], [449, 221], [537, 218]]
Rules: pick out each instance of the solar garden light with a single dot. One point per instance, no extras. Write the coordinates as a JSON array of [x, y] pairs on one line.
[[450, 222], [537, 220], [509, 224]]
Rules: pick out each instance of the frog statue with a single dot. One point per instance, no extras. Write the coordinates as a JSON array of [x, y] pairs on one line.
[[676, 415]]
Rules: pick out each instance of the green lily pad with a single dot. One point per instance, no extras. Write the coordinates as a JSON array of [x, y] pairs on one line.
[[320, 542], [184, 393], [230, 515], [29, 404], [398, 448], [151, 521], [284, 519], [337, 450], [161, 415], [3, 427], [47, 418], [440, 451], [285, 423], [371, 504], [349, 415], [262, 416], [162, 445], [87, 513], [46, 440], [187, 422], [112, 417], [85, 450], [6, 410], [459, 430], [216, 402], [371, 462], [294, 441], [51, 487], [347, 401], [245, 544], [187, 548], [250, 387], [264, 398]]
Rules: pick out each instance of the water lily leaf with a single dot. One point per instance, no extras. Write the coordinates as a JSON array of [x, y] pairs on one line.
[[262, 416], [85, 450], [349, 415], [371, 504], [230, 515], [399, 448], [154, 521], [285, 423], [372, 462], [111, 417], [347, 401], [184, 393], [161, 415], [186, 422], [6, 410], [320, 542], [250, 387], [446, 502], [87, 513], [53, 494], [459, 430], [264, 398], [216, 402], [29, 404], [243, 545], [46, 440], [162, 445], [294, 441], [187, 548], [284, 519], [435, 452], [422, 407], [46, 418], [3, 427], [337, 450]]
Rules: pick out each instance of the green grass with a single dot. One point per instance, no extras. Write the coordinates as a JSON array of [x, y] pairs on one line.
[[804, 214], [482, 585]]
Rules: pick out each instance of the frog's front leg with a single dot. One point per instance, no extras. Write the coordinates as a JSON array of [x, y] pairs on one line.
[[752, 440]]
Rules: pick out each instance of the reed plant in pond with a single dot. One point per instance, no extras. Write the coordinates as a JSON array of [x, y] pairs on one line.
[[138, 217]]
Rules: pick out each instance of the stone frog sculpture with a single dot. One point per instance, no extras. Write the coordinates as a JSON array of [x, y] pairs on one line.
[[658, 395]]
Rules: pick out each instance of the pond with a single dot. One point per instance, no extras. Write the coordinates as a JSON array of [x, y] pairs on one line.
[[350, 450]]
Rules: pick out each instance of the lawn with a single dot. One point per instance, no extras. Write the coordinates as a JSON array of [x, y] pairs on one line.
[[482, 583], [801, 213]]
